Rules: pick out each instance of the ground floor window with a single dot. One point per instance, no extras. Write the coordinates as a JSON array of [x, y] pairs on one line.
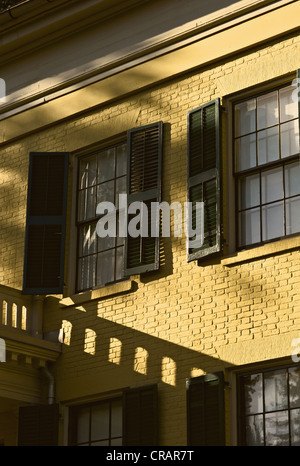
[[269, 403], [97, 424]]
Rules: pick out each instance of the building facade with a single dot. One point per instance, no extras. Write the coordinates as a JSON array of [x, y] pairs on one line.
[[149, 338]]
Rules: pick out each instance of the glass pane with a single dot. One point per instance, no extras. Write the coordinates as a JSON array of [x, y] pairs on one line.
[[83, 428], [87, 204], [116, 419], [292, 215], [249, 192], [245, 117], [268, 145], [116, 441], [100, 422], [245, 150], [121, 188], [121, 160], [294, 386], [288, 106], [277, 429], [86, 272], [106, 192], [87, 240], [106, 243], [119, 263], [106, 165], [295, 427], [102, 443], [292, 177], [273, 221], [106, 267], [253, 394], [289, 138], [267, 110], [250, 227], [88, 172], [272, 185], [255, 430], [276, 390]]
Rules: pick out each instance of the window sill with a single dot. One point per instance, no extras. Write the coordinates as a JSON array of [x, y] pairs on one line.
[[99, 293], [262, 251]]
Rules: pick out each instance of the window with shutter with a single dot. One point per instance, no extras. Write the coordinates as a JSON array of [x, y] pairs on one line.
[[204, 175], [144, 186], [205, 410], [38, 425], [140, 416], [45, 223]]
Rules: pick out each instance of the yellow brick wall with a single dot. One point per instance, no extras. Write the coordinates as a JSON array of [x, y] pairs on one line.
[[183, 320]]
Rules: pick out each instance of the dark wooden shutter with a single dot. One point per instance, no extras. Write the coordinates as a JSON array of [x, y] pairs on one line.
[[144, 185], [45, 224], [140, 416], [38, 425], [204, 180], [205, 410]]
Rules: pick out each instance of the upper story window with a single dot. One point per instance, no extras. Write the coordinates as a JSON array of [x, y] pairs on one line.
[[102, 177], [266, 165]]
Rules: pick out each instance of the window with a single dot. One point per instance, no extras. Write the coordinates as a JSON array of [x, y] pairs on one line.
[[128, 420], [97, 424], [270, 407], [102, 177], [266, 165]]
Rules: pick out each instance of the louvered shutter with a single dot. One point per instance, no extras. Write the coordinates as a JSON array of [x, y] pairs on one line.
[[204, 166], [205, 410], [38, 425], [45, 223], [140, 416], [143, 185]]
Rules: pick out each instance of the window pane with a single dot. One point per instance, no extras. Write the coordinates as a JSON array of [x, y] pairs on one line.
[[106, 267], [100, 422], [273, 221], [106, 243], [253, 392], [106, 165], [292, 177], [295, 427], [277, 429], [292, 215], [288, 106], [268, 145], [294, 386], [250, 227], [116, 419], [121, 160], [87, 240], [245, 150], [116, 442], [106, 192], [83, 425], [272, 185], [276, 390], [249, 191], [255, 430], [289, 138], [87, 204], [86, 272], [121, 188], [88, 172], [267, 110], [245, 116]]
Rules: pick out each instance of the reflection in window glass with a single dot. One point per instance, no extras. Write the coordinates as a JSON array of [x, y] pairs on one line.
[[102, 178], [270, 409]]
